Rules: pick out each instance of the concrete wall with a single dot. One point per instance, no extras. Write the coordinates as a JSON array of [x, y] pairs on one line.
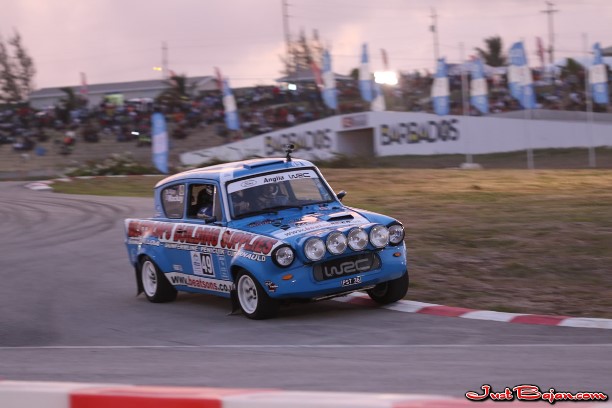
[[401, 133]]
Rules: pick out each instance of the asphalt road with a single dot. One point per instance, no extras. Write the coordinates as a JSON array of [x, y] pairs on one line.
[[68, 312]]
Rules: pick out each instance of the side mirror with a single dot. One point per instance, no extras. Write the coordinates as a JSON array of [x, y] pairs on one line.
[[341, 195]]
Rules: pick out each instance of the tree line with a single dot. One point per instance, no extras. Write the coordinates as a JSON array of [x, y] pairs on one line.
[[16, 70]]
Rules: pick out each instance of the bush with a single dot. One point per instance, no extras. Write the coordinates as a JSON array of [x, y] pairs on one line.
[[116, 164]]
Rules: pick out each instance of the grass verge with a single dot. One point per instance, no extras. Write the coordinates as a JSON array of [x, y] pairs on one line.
[[506, 240]]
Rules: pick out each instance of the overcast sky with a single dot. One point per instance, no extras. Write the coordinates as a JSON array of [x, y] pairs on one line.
[[121, 40]]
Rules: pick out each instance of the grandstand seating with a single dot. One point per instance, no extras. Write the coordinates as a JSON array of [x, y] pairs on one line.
[[29, 164]]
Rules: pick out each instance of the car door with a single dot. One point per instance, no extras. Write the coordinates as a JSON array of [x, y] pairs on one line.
[[199, 262]]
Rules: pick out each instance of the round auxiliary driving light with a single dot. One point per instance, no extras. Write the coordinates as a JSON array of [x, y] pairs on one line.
[[357, 239], [336, 243], [379, 236], [314, 249]]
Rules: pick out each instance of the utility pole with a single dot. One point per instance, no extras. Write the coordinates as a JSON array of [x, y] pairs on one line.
[[164, 60], [551, 31], [285, 7], [434, 30]]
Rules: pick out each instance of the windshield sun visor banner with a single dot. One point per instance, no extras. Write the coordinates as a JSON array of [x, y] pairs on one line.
[[271, 178]]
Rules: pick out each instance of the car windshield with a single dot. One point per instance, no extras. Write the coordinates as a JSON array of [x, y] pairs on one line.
[[276, 191]]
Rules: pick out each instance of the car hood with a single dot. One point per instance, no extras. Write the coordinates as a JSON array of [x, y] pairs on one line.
[[293, 223]]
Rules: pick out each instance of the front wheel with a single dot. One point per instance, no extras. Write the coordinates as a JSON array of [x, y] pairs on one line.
[[254, 301], [390, 291], [154, 284]]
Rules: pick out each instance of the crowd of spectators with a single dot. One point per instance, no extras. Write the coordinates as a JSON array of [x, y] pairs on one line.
[[565, 91], [261, 109]]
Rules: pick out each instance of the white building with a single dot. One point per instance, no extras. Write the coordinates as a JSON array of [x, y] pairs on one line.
[[48, 97]]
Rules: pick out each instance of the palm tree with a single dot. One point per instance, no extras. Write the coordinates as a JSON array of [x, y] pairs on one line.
[[68, 103], [70, 100], [493, 54], [573, 74], [177, 92]]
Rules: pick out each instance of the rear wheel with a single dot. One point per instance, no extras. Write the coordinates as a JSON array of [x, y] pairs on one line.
[[254, 301], [390, 291], [154, 284]]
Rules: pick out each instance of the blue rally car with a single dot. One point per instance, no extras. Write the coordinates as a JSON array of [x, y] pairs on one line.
[[263, 232]]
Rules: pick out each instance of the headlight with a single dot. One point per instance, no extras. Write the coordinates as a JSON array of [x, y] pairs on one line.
[[336, 243], [314, 249], [357, 239], [396, 234], [379, 236], [283, 256]]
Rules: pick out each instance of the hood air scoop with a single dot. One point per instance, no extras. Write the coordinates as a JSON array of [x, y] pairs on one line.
[[339, 216]]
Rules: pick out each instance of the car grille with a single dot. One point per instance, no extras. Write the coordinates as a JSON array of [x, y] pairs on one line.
[[349, 265]]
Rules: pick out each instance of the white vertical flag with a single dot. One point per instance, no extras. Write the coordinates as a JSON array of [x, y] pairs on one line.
[[520, 79], [478, 87], [598, 77], [365, 78], [330, 96], [440, 91], [229, 105], [378, 103], [159, 143]]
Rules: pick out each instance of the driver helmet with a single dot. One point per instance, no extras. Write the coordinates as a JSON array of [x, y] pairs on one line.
[[270, 190]]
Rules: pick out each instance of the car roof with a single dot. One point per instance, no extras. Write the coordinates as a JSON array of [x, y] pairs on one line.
[[234, 170]]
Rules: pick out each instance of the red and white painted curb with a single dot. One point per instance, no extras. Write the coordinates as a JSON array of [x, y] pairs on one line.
[[409, 306], [22, 394]]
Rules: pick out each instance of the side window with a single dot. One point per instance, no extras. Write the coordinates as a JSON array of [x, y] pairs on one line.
[[173, 200], [204, 202]]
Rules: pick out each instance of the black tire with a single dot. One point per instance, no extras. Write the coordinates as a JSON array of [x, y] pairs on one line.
[[390, 291], [252, 298], [154, 284]]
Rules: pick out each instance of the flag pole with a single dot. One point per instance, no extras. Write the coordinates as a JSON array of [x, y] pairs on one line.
[[589, 103], [528, 114], [464, 102]]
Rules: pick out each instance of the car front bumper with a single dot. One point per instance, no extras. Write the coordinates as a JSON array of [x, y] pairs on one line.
[[306, 281]]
